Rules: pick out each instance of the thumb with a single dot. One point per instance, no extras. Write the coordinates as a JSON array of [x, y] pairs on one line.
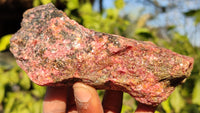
[[87, 99]]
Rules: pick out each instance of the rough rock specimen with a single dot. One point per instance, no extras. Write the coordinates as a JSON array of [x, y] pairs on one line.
[[54, 50]]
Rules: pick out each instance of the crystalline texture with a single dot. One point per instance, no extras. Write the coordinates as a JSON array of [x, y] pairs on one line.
[[54, 50]]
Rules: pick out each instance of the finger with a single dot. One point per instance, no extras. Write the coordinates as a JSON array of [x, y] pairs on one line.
[[71, 105], [112, 101], [87, 99], [141, 108], [55, 100]]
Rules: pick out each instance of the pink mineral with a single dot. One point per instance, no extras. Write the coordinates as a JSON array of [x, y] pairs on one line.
[[54, 50]]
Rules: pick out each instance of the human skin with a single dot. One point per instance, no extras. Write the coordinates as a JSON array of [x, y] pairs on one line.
[[81, 98]]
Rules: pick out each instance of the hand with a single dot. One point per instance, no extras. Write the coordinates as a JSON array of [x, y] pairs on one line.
[[82, 98]]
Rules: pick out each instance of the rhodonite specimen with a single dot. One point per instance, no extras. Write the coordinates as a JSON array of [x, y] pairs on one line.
[[55, 51]]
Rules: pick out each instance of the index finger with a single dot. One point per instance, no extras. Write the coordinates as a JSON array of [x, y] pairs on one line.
[[141, 108], [55, 100]]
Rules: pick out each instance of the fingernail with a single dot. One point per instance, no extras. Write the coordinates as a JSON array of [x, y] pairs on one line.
[[81, 93]]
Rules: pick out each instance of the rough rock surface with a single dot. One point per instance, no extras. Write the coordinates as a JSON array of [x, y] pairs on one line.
[[54, 50]]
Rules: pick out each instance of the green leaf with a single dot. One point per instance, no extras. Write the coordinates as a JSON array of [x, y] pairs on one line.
[[191, 108], [38, 91], [4, 78], [142, 30], [197, 17], [37, 106], [144, 33], [67, 11], [24, 110], [119, 4], [2, 92], [196, 93], [181, 44], [27, 99], [190, 13], [13, 75], [25, 81], [4, 42], [129, 104], [72, 4], [177, 100], [101, 94], [7, 61], [46, 1], [9, 103], [85, 9], [157, 111], [23, 102], [112, 14], [195, 14], [126, 109], [36, 3], [166, 106]]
